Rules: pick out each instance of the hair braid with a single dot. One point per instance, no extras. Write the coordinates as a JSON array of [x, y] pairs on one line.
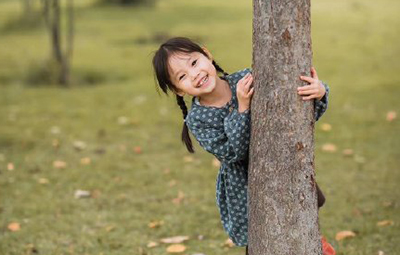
[[218, 68], [185, 131]]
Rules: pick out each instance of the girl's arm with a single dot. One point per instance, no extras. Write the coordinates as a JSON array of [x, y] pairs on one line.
[[230, 143], [315, 90]]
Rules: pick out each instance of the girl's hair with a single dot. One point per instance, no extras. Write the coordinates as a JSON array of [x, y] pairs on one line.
[[160, 65]]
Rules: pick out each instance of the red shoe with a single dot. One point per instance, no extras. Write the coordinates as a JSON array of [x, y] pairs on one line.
[[327, 248]]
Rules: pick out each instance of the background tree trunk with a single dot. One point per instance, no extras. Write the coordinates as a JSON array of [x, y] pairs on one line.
[[283, 214], [52, 13]]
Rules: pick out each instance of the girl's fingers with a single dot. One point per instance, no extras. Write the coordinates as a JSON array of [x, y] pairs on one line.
[[309, 97], [251, 91], [307, 79], [314, 73]]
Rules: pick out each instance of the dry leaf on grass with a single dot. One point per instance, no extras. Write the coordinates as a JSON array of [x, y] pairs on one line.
[[176, 248], [81, 194], [188, 159], [344, 234], [390, 116], [137, 149], [175, 239], [326, 127], [228, 243], [86, 161], [59, 164], [178, 199], [329, 147], [43, 181], [381, 253], [172, 183], [385, 223], [156, 224], [55, 143], [152, 244], [14, 226], [79, 145], [10, 167], [348, 152]]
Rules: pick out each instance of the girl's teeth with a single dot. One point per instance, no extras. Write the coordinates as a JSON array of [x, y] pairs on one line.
[[204, 80]]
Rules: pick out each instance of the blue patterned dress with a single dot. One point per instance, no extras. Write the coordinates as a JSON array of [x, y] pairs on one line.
[[225, 133]]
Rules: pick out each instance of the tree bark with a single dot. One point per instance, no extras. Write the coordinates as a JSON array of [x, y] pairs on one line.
[[283, 213]]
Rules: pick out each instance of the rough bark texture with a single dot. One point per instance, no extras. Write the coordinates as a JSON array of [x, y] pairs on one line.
[[283, 215]]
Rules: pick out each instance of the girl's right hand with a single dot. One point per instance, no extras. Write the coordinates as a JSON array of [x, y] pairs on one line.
[[244, 92]]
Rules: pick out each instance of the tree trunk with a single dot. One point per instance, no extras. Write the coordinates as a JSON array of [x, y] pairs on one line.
[[52, 13], [283, 213]]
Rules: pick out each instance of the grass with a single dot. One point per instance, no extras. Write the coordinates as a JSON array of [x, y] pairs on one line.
[[356, 51]]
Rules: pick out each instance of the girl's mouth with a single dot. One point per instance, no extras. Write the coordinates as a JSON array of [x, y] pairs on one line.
[[203, 81]]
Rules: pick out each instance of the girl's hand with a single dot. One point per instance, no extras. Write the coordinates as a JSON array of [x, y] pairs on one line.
[[244, 92], [314, 90]]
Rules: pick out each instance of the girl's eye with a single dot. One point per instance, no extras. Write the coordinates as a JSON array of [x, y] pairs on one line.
[[181, 77], [194, 62]]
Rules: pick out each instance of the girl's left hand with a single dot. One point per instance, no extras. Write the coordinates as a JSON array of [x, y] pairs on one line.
[[314, 90]]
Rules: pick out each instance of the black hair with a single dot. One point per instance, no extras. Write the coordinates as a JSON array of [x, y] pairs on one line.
[[160, 65]]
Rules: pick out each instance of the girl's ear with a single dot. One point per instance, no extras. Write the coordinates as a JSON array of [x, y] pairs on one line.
[[208, 53]]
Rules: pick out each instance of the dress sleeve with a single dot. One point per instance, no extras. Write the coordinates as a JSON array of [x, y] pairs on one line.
[[321, 105], [230, 144]]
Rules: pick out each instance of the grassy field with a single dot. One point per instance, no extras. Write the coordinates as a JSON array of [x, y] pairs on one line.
[[119, 139]]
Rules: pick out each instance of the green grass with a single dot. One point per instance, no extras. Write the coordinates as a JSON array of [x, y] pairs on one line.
[[356, 51]]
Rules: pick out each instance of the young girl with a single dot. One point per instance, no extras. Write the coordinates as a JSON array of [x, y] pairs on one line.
[[219, 119]]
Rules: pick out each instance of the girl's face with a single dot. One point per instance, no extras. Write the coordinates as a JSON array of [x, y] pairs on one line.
[[192, 73]]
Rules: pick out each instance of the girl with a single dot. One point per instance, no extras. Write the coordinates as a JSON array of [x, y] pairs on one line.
[[219, 119]]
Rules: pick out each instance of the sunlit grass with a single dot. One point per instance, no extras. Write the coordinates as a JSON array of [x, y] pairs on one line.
[[356, 52]]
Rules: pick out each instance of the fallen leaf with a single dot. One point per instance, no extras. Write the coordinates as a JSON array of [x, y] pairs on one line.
[[381, 253], [385, 223], [95, 193], [344, 234], [79, 145], [175, 239], [43, 181], [178, 199], [156, 224], [359, 159], [387, 203], [172, 183], [59, 164], [123, 120], [329, 147], [31, 248], [326, 127], [81, 194], [188, 159], [10, 167], [216, 163], [55, 130], [55, 143], [86, 161], [357, 212], [348, 152], [390, 116], [228, 243], [14, 226], [152, 244], [110, 228], [137, 149], [176, 248]]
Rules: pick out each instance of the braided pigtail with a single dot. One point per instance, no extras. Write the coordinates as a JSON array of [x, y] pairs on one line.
[[219, 69], [185, 131]]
